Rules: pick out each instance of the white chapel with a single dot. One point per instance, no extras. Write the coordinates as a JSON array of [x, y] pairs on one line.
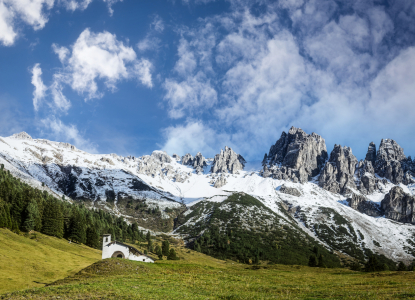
[[117, 249]]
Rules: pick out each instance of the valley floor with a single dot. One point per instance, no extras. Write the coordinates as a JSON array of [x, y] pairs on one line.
[[197, 276]]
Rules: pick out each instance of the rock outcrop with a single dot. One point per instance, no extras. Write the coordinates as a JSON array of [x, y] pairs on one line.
[[290, 191], [198, 162], [220, 182], [338, 173], [361, 204], [22, 136], [388, 161], [228, 162], [399, 206], [297, 156]]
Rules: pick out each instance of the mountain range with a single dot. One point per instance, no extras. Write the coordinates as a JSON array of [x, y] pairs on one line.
[[299, 191]]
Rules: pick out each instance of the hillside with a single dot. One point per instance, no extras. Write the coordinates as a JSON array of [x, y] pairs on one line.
[[37, 259], [197, 276]]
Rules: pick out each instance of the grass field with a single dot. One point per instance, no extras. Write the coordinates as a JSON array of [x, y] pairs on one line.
[[197, 276], [38, 259]]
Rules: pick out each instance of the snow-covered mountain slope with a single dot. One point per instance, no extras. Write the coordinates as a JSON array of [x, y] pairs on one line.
[[141, 187]]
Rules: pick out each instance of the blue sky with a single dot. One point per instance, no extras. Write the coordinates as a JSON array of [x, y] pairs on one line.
[[130, 76]]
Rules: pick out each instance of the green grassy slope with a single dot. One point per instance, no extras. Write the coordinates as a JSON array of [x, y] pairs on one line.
[[198, 276], [34, 261]]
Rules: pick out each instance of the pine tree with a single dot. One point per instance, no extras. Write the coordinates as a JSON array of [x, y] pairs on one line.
[[321, 263], [165, 246], [92, 237], [52, 218], [401, 266], [32, 220], [172, 255], [77, 226], [312, 262], [159, 252], [148, 236]]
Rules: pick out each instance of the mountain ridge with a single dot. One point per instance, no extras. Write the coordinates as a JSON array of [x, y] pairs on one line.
[[298, 174]]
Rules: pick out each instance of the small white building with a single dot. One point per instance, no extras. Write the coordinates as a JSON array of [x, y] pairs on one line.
[[119, 250]]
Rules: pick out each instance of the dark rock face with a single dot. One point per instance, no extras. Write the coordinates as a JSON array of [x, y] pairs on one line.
[[388, 161], [228, 161], [361, 204], [338, 173], [371, 153], [297, 156], [399, 206], [290, 191]]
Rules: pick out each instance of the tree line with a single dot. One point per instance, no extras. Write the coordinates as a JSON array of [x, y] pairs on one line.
[[23, 208]]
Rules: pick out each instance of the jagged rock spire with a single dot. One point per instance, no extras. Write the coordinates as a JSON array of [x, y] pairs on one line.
[[227, 161]]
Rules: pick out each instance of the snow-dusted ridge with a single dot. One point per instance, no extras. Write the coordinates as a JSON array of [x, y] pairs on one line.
[[163, 181]]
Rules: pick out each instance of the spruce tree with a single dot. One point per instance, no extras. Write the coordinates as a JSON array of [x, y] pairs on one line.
[[92, 237], [401, 266], [165, 246], [159, 252], [77, 226], [32, 221], [172, 255], [312, 262], [321, 263], [52, 218]]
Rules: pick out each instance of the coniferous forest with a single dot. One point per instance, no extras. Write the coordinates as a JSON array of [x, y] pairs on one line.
[[23, 208]]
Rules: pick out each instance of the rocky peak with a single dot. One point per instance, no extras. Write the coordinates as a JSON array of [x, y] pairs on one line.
[[22, 136], [297, 155], [338, 173], [390, 150], [227, 161], [187, 160], [399, 206], [388, 161], [161, 156], [371, 153]]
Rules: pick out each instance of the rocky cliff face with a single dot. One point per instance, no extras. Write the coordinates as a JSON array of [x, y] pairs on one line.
[[361, 204], [389, 161], [399, 206], [198, 162], [338, 173], [297, 156], [228, 162]]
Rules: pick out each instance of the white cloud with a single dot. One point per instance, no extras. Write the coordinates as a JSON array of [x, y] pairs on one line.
[[149, 43], [110, 3], [193, 137], [60, 102], [31, 12], [57, 130], [40, 88], [35, 14], [186, 63], [62, 52], [7, 32], [342, 77], [157, 24], [190, 95], [143, 70], [99, 56]]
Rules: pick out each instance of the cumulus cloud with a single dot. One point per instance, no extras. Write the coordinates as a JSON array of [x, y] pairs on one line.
[[59, 131], [31, 12], [35, 13], [336, 70], [99, 57]]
